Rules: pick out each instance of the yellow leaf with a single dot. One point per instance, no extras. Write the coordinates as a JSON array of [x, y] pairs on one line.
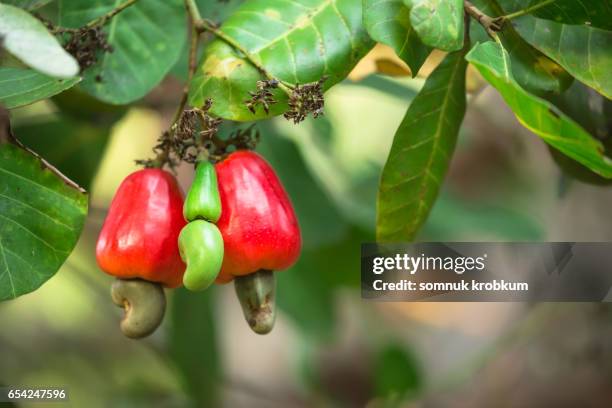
[[381, 59]]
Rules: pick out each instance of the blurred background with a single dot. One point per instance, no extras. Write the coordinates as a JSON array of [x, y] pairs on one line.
[[329, 348]]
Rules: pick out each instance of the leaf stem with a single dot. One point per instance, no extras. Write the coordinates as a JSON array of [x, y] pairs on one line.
[[104, 18], [193, 11], [491, 24], [204, 25], [193, 53], [528, 10], [194, 41]]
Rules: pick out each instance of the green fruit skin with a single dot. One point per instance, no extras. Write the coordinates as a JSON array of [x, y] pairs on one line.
[[203, 201], [201, 247]]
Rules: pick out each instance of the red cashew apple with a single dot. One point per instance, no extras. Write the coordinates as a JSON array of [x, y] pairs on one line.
[[259, 227], [140, 233]]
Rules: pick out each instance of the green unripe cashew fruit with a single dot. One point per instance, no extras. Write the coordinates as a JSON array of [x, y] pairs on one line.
[[203, 201], [144, 304], [201, 247]]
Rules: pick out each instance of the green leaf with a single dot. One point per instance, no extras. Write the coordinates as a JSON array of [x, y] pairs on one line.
[[592, 13], [536, 114], [29, 40], [421, 151], [296, 41], [41, 220], [439, 23], [583, 51], [388, 22], [194, 345], [216, 10], [590, 110], [28, 4], [19, 87], [147, 39], [533, 70]]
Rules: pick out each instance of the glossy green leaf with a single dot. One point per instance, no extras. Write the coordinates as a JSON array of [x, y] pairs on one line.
[[588, 108], [147, 39], [28, 39], [583, 51], [533, 70], [19, 87], [439, 23], [41, 219], [591, 110], [581, 12], [216, 10], [536, 114], [28, 4], [388, 22], [421, 151], [193, 345], [295, 41]]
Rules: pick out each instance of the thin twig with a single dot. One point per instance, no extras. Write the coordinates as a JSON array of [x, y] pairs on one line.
[[193, 11], [97, 22], [193, 52], [528, 10], [491, 24], [102, 20]]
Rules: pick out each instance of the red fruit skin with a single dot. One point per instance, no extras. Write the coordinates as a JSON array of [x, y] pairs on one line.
[[258, 224], [139, 236]]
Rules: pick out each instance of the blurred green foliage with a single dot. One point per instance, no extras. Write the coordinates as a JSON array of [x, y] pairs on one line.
[[330, 169], [203, 355], [194, 345], [397, 373]]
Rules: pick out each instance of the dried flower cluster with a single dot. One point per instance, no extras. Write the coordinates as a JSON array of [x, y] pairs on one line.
[[262, 96], [306, 99], [195, 136], [186, 139], [85, 44]]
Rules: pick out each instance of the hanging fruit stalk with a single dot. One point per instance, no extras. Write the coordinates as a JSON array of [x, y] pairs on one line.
[[260, 233], [137, 245], [200, 242]]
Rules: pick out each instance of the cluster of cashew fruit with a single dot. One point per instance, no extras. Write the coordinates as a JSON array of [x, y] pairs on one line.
[[236, 223]]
